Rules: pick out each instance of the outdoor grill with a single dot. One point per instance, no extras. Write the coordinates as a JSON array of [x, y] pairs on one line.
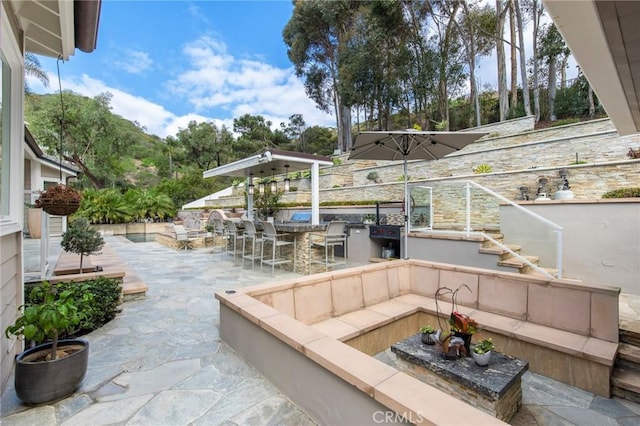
[[388, 232]]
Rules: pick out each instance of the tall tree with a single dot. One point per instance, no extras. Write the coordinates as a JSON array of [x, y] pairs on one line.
[[198, 141], [514, 59], [313, 36], [477, 40], [523, 63], [552, 46], [503, 99], [537, 11]]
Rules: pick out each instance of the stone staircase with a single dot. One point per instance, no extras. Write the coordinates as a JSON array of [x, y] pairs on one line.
[[625, 380], [505, 258]]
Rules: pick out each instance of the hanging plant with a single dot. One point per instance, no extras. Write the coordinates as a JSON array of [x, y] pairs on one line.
[[59, 200]]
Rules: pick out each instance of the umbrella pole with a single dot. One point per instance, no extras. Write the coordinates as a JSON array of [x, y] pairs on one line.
[[407, 203]]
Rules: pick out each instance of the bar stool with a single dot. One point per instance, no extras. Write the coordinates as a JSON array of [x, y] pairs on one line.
[[251, 235], [269, 235], [335, 235], [219, 230], [234, 236]]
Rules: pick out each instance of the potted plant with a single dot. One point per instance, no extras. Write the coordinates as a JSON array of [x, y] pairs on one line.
[[369, 218], [54, 368], [428, 335], [481, 352], [81, 239], [59, 200], [462, 326]]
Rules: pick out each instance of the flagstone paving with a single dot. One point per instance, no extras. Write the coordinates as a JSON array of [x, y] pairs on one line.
[[161, 361]]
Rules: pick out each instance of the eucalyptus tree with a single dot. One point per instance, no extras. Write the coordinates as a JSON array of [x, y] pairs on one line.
[[313, 36], [476, 23], [502, 8], [537, 10], [450, 57], [373, 60], [552, 46], [523, 63]]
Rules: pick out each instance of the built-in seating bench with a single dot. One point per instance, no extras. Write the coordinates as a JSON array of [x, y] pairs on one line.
[[565, 330]]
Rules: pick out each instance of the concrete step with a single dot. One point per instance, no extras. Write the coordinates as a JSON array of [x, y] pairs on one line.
[[500, 252], [514, 262], [626, 384], [629, 333], [628, 357]]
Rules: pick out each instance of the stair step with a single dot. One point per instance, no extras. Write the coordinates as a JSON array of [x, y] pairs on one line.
[[626, 384], [514, 262], [498, 251], [629, 333], [629, 353]]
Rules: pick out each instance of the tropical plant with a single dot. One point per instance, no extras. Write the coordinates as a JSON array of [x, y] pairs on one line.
[[81, 239], [58, 313], [483, 168]]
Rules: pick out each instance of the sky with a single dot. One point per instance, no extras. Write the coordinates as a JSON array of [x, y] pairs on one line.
[[167, 63]]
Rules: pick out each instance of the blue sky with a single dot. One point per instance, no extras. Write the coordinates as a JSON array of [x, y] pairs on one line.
[[169, 62]]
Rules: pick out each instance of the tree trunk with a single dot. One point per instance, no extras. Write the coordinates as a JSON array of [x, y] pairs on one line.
[[592, 106], [552, 89], [523, 63], [503, 99], [536, 84], [75, 159], [514, 62], [345, 123], [563, 71]]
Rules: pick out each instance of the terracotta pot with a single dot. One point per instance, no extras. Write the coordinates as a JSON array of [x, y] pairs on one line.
[[34, 223]]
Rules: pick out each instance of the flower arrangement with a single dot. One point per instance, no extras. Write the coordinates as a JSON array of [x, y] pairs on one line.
[[59, 200], [461, 325]]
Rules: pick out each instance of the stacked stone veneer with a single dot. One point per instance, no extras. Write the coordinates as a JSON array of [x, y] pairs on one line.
[[519, 157]]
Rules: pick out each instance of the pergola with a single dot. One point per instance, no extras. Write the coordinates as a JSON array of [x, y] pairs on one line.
[[275, 162]]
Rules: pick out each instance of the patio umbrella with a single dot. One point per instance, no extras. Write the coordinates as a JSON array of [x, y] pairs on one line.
[[409, 145]]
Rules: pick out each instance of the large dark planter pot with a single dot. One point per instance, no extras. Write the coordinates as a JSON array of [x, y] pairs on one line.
[[47, 381], [467, 340]]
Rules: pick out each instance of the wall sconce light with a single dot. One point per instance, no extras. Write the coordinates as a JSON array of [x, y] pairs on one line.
[[274, 184], [287, 181], [261, 184]]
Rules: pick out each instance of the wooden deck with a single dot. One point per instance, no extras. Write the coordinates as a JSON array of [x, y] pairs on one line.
[[112, 266]]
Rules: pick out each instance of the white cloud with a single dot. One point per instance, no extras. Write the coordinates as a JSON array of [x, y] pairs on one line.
[[133, 61], [216, 79]]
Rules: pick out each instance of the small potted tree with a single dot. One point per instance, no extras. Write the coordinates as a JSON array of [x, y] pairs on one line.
[[54, 368], [81, 239]]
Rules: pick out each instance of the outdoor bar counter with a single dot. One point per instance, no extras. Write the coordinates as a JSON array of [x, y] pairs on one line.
[[302, 233]]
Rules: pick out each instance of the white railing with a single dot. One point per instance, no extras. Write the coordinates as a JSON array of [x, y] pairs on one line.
[[557, 229]]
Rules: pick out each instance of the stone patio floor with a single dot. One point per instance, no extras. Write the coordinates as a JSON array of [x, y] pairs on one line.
[[161, 361]]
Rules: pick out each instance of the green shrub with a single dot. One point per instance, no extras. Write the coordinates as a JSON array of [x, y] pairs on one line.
[[623, 193], [104, 298]]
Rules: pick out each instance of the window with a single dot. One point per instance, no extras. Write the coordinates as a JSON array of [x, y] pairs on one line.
[[5, 126]]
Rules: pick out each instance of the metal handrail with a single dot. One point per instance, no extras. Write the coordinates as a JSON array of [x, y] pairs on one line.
[[557, 229]]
